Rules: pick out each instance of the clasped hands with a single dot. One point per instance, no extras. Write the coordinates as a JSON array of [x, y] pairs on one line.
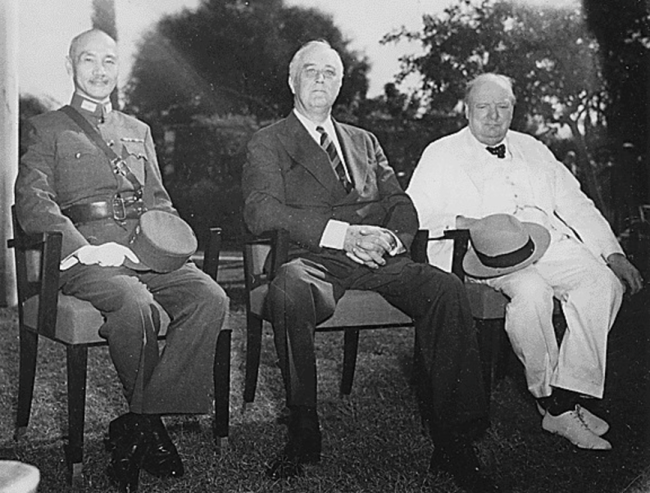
[[105, 255], [367, 245]]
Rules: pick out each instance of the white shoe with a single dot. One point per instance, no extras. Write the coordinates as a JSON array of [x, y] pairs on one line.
[[596, 425], [571, 426]]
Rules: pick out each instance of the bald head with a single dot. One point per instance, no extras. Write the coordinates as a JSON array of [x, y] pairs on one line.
[[80, 40]]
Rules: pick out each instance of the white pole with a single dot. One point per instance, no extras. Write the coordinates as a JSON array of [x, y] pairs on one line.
[[8, 142]]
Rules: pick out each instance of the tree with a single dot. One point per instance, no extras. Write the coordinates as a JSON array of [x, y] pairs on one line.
[[103, 17], [549, 53], [207, 79], [622, 27], [231, 57]]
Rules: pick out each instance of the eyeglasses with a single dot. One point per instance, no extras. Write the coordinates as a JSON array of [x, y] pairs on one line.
[[313, 73]]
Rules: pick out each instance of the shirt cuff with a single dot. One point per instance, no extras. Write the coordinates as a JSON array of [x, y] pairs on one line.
[[399, 246], [334, 234], [71, 260]]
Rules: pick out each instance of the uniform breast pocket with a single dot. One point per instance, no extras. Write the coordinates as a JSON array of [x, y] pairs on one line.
[[80, 164], [135, 157]]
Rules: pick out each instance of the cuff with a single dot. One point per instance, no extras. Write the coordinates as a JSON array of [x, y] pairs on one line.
[[334, 234]]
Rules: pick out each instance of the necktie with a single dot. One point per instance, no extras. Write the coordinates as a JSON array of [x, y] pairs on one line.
[[499, 151], [327, 144]]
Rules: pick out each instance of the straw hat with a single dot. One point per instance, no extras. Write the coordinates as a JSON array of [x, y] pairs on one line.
[[501, 244]]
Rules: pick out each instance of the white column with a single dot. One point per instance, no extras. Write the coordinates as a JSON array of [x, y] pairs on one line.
[[8, 142]]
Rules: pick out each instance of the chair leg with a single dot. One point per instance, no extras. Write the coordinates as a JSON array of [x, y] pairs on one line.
[[350, 347], [221, 375], [490, 336], [77, 358], [26, 375], [253, 351]]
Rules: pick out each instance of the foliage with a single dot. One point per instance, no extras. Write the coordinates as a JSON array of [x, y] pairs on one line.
[[231, 57], [208, 78], [395, 119], [28, 106], [548, 52], [201, 163], [622, 27]]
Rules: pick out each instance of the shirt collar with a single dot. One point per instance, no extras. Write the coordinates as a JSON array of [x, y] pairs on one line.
[[89, 107], [328, 125]]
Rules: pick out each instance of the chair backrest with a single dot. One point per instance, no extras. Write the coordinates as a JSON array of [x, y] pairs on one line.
[[37, 272]]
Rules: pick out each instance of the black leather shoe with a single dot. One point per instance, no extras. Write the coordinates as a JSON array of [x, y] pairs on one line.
[[128, 445], [162, 459], [460, 461]]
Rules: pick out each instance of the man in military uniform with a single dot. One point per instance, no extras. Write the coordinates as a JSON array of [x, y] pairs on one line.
[[68, 183]]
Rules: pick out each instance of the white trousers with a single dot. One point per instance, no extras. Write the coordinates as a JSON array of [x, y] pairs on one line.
[[591, 296]]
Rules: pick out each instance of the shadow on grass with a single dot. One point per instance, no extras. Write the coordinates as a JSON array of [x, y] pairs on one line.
[[373, 440]]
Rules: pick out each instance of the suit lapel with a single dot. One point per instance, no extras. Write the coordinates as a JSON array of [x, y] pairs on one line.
[[306, 152], [353, 146]]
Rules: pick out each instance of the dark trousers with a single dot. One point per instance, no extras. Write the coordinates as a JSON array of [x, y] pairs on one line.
[[450, 386], [177, 379]]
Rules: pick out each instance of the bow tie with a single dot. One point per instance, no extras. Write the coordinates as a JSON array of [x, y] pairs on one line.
[[499, 151]]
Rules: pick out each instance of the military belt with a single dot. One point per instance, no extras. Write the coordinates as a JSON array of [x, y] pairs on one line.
[[119, 208]]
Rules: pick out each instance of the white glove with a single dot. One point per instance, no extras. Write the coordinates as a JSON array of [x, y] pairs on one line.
[[106, 255]]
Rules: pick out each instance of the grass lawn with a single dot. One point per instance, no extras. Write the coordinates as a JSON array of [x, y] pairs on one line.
[[372, 441]]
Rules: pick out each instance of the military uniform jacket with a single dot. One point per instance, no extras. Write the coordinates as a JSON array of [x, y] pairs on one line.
[[62, 167], [288, 183]]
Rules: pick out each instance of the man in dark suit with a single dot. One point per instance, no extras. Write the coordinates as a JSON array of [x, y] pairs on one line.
[[66, 183], [330, 185]]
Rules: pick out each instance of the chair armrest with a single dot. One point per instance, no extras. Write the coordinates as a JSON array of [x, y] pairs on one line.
[[211, 254], [279, 249], [38, 257], [419, 246], [460, 237]]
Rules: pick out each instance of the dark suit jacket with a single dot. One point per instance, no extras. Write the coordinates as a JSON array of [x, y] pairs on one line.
[[288, 183]]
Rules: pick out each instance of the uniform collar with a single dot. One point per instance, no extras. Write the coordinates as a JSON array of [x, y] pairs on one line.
[[88, 107]]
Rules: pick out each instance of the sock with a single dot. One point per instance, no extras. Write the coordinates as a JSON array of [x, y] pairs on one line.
[[560, 401]]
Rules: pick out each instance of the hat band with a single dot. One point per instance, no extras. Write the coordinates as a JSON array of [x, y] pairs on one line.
[[508, 259]]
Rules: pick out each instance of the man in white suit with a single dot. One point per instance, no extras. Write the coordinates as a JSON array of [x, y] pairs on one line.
[[485, 169]]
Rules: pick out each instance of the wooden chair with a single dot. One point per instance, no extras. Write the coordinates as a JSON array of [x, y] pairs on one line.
[[44, 311], [355, 311], [489, 311]]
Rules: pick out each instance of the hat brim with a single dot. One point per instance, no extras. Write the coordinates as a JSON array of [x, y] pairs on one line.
[[475, 268], [139, 266]]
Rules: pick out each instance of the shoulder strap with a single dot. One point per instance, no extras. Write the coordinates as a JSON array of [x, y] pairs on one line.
[[117, 163]]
